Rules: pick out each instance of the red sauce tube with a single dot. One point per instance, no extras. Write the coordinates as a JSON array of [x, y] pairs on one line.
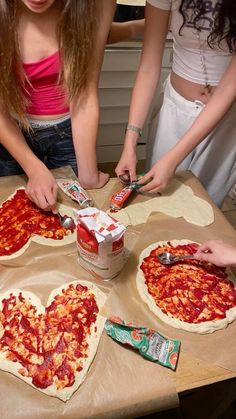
[[118, 199]]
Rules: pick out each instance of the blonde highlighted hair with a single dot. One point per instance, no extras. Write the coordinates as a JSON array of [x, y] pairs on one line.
[[76, 30]]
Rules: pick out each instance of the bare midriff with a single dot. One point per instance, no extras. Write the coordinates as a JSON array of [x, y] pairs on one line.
[[48, 117], [191, 91]]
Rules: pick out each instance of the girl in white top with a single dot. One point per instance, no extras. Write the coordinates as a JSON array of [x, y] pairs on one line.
[[204, 40]]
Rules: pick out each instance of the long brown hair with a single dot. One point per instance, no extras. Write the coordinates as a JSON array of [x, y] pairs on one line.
[[76, 30]]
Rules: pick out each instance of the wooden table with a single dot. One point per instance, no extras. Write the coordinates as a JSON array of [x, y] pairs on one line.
[[192, 374]]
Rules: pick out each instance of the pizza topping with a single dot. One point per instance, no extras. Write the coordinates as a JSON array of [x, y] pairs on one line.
[[20, 218], [190, 291], [50, 347]]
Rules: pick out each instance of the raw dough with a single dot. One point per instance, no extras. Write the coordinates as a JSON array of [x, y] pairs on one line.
[[177, 201]]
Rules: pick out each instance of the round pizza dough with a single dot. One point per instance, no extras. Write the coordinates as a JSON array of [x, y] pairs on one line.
[[204, 327]]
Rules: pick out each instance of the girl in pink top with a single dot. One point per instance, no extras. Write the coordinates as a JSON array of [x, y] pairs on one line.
[[50, 58]]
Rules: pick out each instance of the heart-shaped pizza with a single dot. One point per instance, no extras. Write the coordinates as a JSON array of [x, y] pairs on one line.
[[191, 295], [22, 221], [51, 348]]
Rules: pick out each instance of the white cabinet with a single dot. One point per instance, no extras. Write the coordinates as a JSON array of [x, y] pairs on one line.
[[116, 83]]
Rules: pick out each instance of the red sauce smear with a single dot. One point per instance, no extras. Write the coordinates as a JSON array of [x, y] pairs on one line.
[[190, 290], [50, 347], [20, 218]]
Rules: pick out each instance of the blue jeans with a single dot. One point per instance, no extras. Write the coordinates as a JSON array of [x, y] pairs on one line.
[[52, 145]]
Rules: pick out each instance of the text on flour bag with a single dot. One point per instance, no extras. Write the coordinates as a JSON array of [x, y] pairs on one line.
[[100, 243]]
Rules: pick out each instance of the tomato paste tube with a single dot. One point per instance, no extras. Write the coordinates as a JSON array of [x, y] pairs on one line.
[[150, 343], [74, 190], [118, 199]]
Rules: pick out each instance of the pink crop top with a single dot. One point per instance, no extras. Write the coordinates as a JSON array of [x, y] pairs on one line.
[[46, 96]]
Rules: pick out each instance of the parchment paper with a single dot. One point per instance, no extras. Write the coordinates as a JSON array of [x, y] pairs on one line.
[[215, 348], [119, 384]]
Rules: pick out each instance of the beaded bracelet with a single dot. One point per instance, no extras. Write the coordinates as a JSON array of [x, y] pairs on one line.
[[134, 128]]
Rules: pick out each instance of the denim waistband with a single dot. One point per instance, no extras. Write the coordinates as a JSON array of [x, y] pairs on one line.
[[37, 123]]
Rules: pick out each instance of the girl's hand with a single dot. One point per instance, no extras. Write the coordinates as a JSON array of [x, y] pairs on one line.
[[160, 176], [42, 189], [217, 252], [127, 164]]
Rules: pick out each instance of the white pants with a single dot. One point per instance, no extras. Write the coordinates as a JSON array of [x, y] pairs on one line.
[[213, 161]]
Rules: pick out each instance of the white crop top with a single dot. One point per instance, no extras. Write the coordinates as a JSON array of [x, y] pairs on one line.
[[187, 60]]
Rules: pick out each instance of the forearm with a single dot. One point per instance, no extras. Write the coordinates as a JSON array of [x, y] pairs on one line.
[[84, 110], [202, 126], [156, 25], [221, 100], [41, 186], [123, 31], [142, 96], [84, 118], [13, 140]]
